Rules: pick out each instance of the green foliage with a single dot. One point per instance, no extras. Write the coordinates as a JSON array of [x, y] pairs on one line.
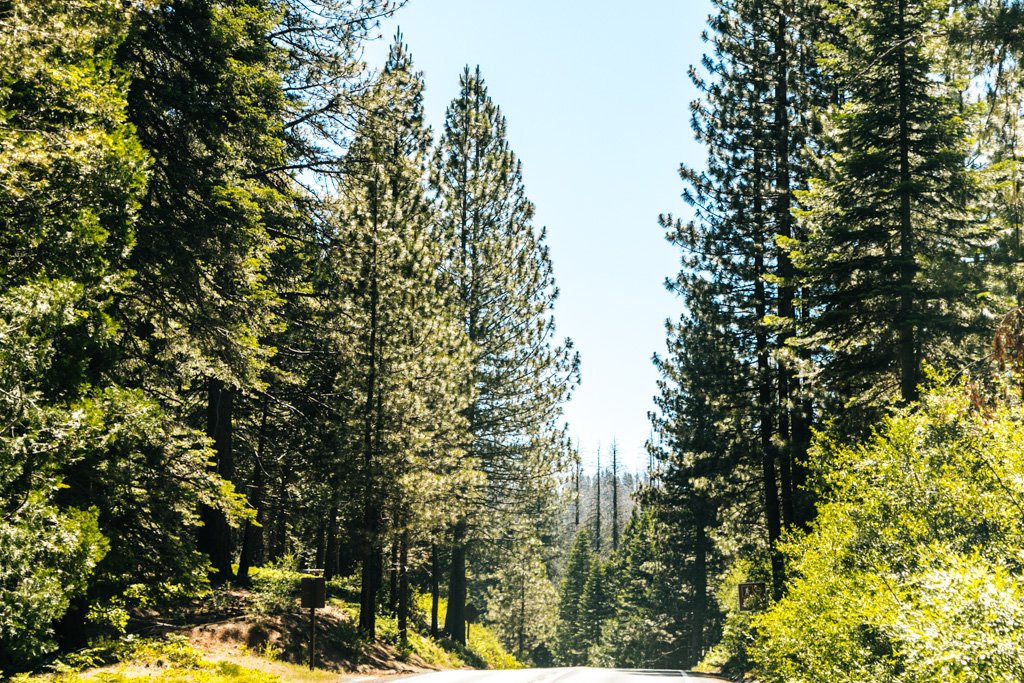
[[912, 572], [889, 259], [275, 587], [499, 268], [522, 604], [49, 555], [568, 648], [643, 629]]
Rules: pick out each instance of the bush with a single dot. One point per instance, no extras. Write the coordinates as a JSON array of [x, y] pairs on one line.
[[275, 587], [914, 569], [48, 555]]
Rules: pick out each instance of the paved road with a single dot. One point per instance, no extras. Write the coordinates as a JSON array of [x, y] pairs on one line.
[[575, 675]]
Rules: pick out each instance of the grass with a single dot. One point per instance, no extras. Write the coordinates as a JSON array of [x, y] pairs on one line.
[[266, 643], [483, 650], [175, 661]]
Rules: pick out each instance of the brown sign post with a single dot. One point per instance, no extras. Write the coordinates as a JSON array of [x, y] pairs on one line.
[[752, 596], [314, 595]]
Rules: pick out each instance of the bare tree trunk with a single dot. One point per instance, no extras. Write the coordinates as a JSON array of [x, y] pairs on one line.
[[403, 590], [435, 588], [597, 507], [455, 616], [615, 496], [252, 537], [214, 537]]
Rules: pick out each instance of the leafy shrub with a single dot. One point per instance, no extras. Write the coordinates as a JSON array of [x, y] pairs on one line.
[[275, 587], [914, 570], [48, 555]]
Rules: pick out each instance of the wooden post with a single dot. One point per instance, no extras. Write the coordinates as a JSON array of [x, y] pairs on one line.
[[312, 638]]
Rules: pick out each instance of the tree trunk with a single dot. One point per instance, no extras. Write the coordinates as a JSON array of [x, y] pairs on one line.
[[769, 478], [279, 537], [615, 497], [331, 562], [214, 537], [393, 575], [371, 512], [907, 267], [403, 590], [435, 588], [252, 537], [455, 616], [700, 595], [579, 467], [521, 635], [597, 506]]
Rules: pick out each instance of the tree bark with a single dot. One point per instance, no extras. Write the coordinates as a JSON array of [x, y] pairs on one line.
[[371, 512], [214, 537], [435, 589], [700, 594], [909, 369], [393, 577], [403, 590], [331, 561], [769, 477], [455, 616], [252, 537]]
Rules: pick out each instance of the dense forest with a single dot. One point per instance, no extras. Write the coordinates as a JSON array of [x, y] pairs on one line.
[[256, 315]]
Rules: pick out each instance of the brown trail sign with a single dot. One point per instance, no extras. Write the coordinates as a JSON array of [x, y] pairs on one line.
[[314, 595]]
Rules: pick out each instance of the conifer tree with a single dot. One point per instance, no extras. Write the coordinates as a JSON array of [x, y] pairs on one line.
[[411, 361], [595, 608], [891, 247], [201, 302], [501, 269], [568, 649]]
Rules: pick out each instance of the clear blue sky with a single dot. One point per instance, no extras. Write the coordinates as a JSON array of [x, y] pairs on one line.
[[596, 96]]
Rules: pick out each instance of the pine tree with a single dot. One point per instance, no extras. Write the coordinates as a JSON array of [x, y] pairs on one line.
[[891, 247], [201, 303], [501, 269], [595, 608], [524, 604], [410, 366], [568, 649]]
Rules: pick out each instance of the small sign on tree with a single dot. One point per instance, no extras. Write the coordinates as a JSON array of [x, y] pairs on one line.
[[752, 596]]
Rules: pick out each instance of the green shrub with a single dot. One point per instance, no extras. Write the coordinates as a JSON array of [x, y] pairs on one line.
[[48, 555], [275, 588], [914, 570]]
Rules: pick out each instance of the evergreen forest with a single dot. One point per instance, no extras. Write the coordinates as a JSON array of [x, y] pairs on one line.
[[259, 322]]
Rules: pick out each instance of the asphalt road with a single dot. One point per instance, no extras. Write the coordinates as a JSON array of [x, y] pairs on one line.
[[574, 675]]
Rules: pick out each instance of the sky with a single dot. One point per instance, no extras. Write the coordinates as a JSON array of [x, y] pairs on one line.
[[597, 96]]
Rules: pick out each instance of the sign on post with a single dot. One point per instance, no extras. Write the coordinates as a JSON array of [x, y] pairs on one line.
[[752, 596], [314, 595], [314, 592], [471, 616]]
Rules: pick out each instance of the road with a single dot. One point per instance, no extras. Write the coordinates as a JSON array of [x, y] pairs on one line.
[[574, 675]]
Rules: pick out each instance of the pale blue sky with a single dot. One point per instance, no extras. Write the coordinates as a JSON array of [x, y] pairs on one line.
[[596, 96]]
